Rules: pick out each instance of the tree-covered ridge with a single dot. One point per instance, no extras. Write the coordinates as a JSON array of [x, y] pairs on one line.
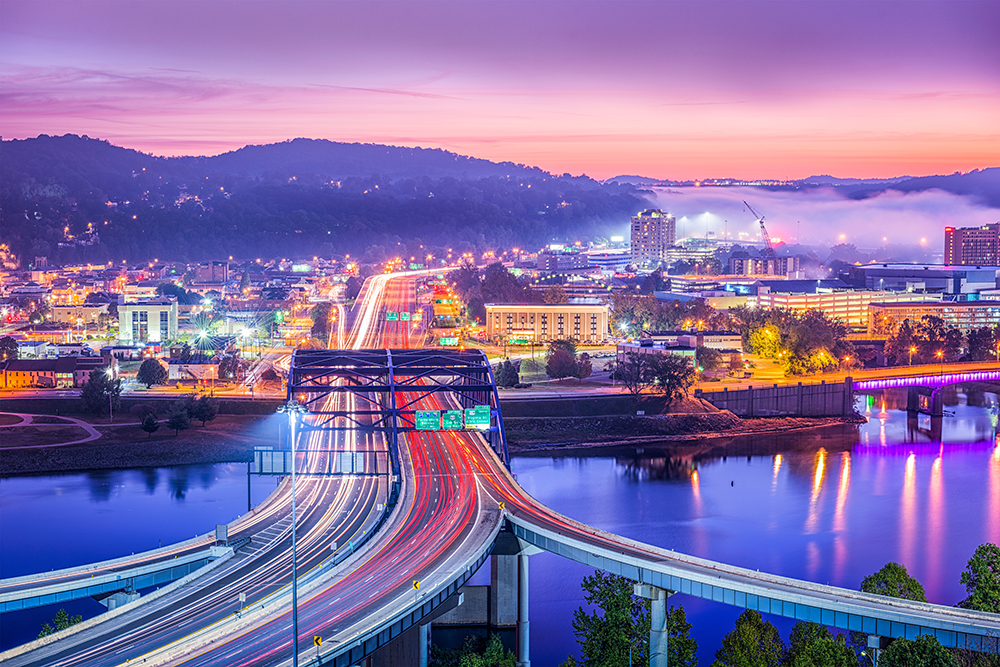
[[78, 199]]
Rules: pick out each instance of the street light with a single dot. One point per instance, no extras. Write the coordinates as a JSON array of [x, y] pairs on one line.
[[912, 350], [293, 408], [940, 356]]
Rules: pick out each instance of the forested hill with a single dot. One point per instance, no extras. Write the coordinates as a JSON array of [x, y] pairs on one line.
[[76, 199]]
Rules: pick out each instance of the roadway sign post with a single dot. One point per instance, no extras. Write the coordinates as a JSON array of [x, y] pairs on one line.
[[452, 420], [428, 420], [477, 417]]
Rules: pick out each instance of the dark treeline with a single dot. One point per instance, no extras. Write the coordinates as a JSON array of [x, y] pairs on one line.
[[78, 199]]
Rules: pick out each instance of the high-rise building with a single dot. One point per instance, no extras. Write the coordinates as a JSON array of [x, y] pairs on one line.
[[972, 245], [653, 231]]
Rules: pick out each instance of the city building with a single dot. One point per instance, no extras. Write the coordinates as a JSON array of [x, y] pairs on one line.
[[741, 264], [964, 315], [542, 322], [556, 259], [653, 231], [849, 306], [151, 320], [717, 340], [212, 272], [646, 346], [941, 278], [608, 261], [61, 372], [86, 315], [972, 245]]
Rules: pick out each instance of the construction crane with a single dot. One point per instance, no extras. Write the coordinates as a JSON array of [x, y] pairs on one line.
[[763, 232]]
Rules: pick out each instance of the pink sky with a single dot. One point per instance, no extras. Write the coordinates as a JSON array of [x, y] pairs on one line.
[[780, 89]]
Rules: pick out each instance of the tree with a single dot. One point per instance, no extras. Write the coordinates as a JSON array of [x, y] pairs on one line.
[[101, 393], [179, 419], [672, 376], [352, 288], [895, 582], [475, 652], [812, 645], [229, 367], [555, 294], [561, 364], [567, 345], [620, 626], [61, 622], [708, 359], [584, 367], [204, 409], [321, 319], [752, 643], [149, 424], [8, 348], [506, 374], [151, 372], [270, 375], [924, 651], [632, 370], [244, 282], [982, 579]]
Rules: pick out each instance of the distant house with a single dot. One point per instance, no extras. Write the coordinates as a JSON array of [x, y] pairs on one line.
[[63, 372]]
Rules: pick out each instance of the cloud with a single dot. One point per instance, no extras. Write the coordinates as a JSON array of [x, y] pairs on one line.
[[824, 214]]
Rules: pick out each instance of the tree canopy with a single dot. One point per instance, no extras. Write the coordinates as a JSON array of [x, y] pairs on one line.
[[752, 643], [981, 579], [151, 372], [895, 582]]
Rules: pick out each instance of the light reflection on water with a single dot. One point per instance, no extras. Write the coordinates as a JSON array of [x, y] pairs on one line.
[[830, 505]]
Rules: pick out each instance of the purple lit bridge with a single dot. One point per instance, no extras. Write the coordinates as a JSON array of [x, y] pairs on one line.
[[924, 393]]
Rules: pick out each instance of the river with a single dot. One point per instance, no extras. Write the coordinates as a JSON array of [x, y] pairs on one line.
[[829, 505]]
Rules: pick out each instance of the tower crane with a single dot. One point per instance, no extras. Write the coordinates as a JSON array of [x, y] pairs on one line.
[[763, 232]]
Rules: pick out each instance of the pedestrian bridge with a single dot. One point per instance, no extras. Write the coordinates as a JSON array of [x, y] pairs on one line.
[[934, 381]]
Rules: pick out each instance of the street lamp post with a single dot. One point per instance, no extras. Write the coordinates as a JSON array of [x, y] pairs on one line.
[[912, 350], [294, 411], [940, 356]]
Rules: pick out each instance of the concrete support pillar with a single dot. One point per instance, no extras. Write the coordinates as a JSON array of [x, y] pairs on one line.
[[523, 652], [848, 396], [912, 404], [658, 634], [424, 646], [658, 629], [503, 591]]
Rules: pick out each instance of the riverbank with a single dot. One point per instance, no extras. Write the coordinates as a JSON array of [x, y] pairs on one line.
[[35, 448], [539, 435]]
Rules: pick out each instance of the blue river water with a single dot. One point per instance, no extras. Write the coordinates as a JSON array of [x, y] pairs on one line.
[[829, 505]]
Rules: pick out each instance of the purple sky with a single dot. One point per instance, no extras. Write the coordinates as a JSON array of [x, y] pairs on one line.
[[742, 88]]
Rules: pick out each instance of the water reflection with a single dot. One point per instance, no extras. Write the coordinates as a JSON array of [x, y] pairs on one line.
[[819, 475], [993, 508], [935, 520], [774, 476], [908, 512]]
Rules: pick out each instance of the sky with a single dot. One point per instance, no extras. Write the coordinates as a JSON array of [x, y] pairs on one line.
[[688, 89]]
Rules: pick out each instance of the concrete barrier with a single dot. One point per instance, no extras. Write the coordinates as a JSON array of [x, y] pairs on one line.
[[800, 400]]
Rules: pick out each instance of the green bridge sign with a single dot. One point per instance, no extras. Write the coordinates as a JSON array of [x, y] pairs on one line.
[[428, 420], [477, 417], [452, 420]]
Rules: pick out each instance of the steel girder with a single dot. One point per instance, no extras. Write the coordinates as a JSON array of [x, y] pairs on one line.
[[387, 385]]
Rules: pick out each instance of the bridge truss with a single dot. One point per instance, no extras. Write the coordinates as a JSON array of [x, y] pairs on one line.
[[386, 387]]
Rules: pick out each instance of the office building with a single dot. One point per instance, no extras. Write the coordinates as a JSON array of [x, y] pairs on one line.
[[562, 260], [941, 278], [963, 315], [850, 307], [972, 245], [741, 264], [148, 321], [542, 322], [653, 231]]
